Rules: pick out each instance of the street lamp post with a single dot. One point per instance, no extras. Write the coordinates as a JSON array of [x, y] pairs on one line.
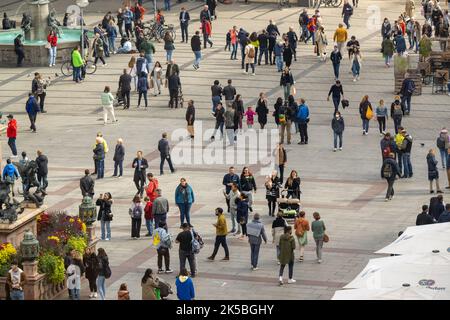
[[82, 4]]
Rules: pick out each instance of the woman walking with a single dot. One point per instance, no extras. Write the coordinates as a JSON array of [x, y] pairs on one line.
[[433, 172], [133, 71], [272, 192], [382, 115], [287, 54], [74, 272], [52, 42], [397, 112], [366, 113], [255, 42], [119, 155], [248, 186], [90, 261], [318, 229], [278, 226], [338, 126], [286, 81], [287, 248], [105, 215], [387, 48], [184, 198], [234, 42], [242, 214], [149, 284], [238, 106], [142, 87], [104, 272], [250, 55], [321, 43], [136, 211], [98, 50], [207, 32], [356, 64], [156, 78], [292, 185], [301, 227], [278, 107], [107, 104], [168, 46], [262, 110]]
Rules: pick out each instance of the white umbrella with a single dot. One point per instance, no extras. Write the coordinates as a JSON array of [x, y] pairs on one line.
[[421, 239], [430, 270], [402, 293]]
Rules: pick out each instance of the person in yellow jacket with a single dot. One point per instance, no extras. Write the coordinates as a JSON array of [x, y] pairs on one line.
[[221, 235], [340, 37], [77, 64], [399, 137], [105, 147]]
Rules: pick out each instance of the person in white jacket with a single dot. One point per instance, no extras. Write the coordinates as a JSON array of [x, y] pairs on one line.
[[74, 273]]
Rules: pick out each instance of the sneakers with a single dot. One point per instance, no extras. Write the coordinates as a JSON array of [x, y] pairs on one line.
[[300, 259], [340, 149], [195, 67], [281, 281], [292, 281], [95, 295], [107, 239], [334, 150], [245, 72], [319, 261], [91, 295], [160, 271], [253, 74], [169, 271], [255, 268]]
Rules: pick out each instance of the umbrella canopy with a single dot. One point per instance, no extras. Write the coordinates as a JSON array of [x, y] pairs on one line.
[[421, 239], [402, 293], [427, 270]]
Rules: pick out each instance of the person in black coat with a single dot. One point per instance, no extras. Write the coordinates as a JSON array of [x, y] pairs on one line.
[[99, 157], [190, 118], [433, 172], [90, 262], [125, 87], [87, 184], [6, 23], [212, 4], [174, 85], [105, 215], [184, 23], [196, 46], [263, 40], [436, 206], [119, 155], [262, 110], [287, 55], [338, 126], [164, 151], [140, 166], [18, 49], [389, 170], [423, 217], [42, 170]]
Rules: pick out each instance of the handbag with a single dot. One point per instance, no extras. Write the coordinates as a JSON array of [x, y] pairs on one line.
[[326, 238], [369, 113], [345, 103], [48, 45]]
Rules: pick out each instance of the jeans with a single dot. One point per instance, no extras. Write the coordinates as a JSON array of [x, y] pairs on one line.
[[149, 59], [390, 189], [118, 166], [112, 44], [184, 31], [336, 136], [206, 39], [105, 225], [76, 74], [319, 245], [254, 254], [161, 164], [291, 269], [169, 55], [149, 226], [312, 35], [167, 5], [263, 51], [16, 295], [242, 56], [136, 228], [215, 101], [230, 135], [356, 67], [100, 169], [387, 59], [406, 101], [336, 102], [32, 118], [43, 182], [381, 124], [52, 56], [233, 219], [234, 50], [252, 65], [143, 93], [220, 127], [347, 21], [443, 153], [400, 162], [198, 57], [160, 218], [221, 240], [397, 123], [407, 167], [163, 253], [303, 127], [74, 294], [183, 255], [287, 91], [365, 125], [101, 287], [336, 70], [185, 212], [12, 145], [279, 63]]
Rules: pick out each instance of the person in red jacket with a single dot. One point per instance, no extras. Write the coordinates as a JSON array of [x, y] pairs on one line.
[[52, 40], [11, 133], [148, 216], [152, 187], [206, 30]]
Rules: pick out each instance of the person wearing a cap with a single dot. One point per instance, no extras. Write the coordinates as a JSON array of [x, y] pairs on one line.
[[406, 148], [11, 133]]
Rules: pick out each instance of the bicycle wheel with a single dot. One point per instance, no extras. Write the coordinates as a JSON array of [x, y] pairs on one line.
[[67, 69], [90, 67], [336, 3]]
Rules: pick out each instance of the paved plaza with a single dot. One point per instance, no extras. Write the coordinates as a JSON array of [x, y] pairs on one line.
[[345, 187]]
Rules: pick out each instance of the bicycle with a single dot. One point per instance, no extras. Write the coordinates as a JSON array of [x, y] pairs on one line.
[[283, 3], [67, 68], [327, 3]]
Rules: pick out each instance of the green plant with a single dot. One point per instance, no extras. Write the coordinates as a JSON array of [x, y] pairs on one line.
[[77, 243], [7, 254], [53, 267]]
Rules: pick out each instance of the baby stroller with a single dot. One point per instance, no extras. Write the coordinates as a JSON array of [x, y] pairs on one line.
[[289, 208], [118, 100], [179, 98]]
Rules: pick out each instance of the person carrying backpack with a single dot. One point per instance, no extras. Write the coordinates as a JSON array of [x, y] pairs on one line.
[[443, 144], [397, 113], [406, 148], [163, 243], [389, 170], [303, 119], [250, 54], [407, 90]]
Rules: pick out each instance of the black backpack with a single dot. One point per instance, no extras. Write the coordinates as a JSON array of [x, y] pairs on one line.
[[387, 170]]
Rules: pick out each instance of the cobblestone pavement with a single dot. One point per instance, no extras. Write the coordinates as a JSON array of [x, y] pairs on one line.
[[345, 187]]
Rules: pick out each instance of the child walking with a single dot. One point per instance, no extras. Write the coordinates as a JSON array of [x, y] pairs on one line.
[[250, 115]]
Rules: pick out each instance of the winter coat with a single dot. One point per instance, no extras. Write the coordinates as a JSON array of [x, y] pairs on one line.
[[119, 153], [99, 152], [433, 172], [179, 196], [387, 47], [125, 82], [400, 43], [104, 213], [142, 84], [148, 289], [286, 79], [242, 211], [338, 125], [363, 106], [262, 111], [196, 44], [87, 186], [32, 106], [185, 288], [287, 247], [11, 130], [42, 163], [91, 265]]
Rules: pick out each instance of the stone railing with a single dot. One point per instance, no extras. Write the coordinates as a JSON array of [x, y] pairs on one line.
[[40, 287]]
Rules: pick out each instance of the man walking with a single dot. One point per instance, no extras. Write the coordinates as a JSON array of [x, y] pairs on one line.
[[87, 185], [190, 118], [221, 235], [336, 58], [125, 87], [347, 12], [164, 151], [140, 166], [303, 119], [174, 85], [389, 170], [256, 233], [340, 37], [406, 149], [184, 23], [11, 134], [407, 90], [160, 208], [229, 92], [263, 40], [42, 170], [196, 45], [32, 109], [336, 91]]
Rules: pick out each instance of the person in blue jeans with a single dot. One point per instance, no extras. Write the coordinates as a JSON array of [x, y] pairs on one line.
[[103, 272], [167, 5], [256, 234], [338, 126], [364, 106], [105, 215], [184, 198], [15, 280], [278, 50], [406, 148], [336, 92], [99, 156]]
